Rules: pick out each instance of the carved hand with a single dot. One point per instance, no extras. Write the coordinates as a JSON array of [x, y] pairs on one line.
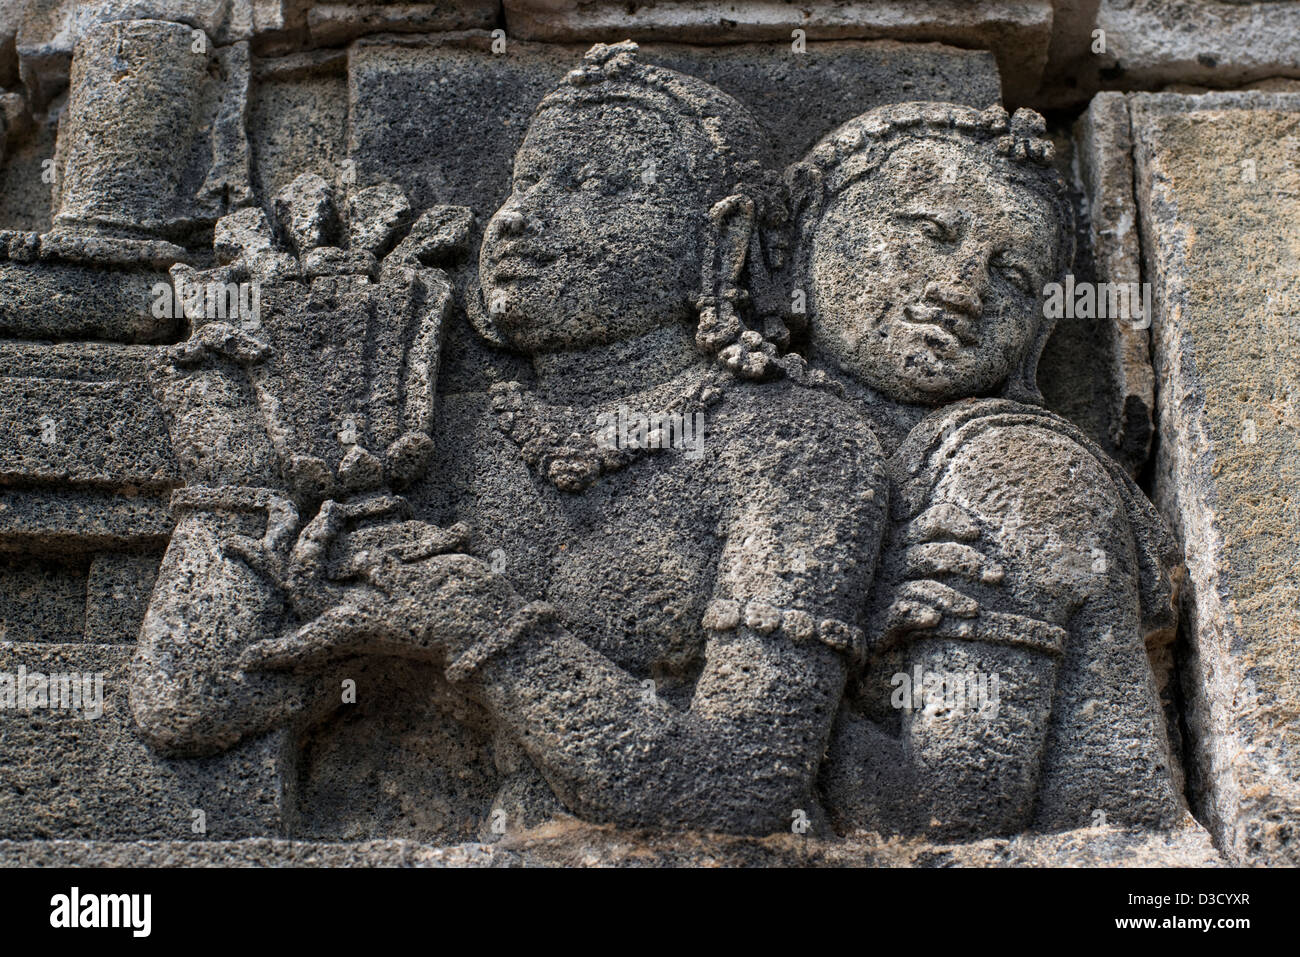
[[218, 339], [394, 589], [937, 551], [937, 546]]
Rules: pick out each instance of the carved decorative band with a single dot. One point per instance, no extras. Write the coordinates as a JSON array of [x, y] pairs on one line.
[[1000, 628], [725, 614], [527, 618]]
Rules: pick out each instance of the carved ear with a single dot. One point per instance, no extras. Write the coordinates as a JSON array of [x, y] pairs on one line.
[[726, 248]]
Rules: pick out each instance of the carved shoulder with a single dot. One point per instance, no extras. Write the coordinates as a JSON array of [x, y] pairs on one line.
[[1049, 513]]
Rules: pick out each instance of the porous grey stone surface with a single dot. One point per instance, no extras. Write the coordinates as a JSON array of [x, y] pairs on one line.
[[333, 23], [82, 414], [136, 162], [58, 599], [571, 844], [1018, 33], [36, 520], [42, 600], [394, 554], [444, 117], [74, 301], [1218, 182], [69, 774], [1018, 548], [1151, 43], [447, 114], [1105, 168], [118, 586]]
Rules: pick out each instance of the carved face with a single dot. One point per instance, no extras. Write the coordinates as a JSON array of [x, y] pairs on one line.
[[927, 275], [598, 240]]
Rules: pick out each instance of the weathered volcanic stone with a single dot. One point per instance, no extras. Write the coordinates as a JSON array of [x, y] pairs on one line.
[[43, 42], [571, 844], [136, 93], [42, 600], [1105, 164], [91, 426], [72, 301], [37, 520], [1219, 194], [443, 118], [334, 23], [64, 774], [1017, 33], [298, 117], [1154, 42], [118, 585]]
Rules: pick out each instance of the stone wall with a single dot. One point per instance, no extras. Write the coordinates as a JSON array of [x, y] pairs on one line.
[[147, 143]]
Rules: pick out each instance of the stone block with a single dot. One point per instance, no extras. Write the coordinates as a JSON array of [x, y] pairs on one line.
[[443, 118], [118, 586], [1018, 33], [109, 434], [1155, 42], [333, 23], [72, 301], [66, 773], [44, 520], [1218, 186], [1105, 163], [42, 599]]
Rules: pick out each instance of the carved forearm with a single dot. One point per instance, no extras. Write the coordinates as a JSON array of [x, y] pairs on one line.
[[974, 730], [741, 759], [188, 694]]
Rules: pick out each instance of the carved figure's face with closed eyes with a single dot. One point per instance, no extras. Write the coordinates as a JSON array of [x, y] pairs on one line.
[[926, 275]]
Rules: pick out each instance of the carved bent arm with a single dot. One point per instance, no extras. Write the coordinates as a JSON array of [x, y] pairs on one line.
[[189, 694], [740, 759], [975, 736], [800, 552]]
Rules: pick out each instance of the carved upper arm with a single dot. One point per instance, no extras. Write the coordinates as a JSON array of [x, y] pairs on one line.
[[1049, 513]]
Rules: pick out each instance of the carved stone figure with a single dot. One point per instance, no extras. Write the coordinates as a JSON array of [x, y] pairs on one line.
[[677, 604], [276, 402], [1008, 684]]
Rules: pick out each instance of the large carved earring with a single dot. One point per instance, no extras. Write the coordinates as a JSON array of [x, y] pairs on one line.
[[734, 244], [480, 314], [726, 247]]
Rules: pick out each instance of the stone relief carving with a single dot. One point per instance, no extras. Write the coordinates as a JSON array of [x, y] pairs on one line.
[[923, 235], [659, 637]]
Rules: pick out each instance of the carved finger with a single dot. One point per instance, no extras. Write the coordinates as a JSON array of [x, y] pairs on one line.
[[942, 521], [433, 540], [338, 633], [255, 554], [937, 595], [378, 506], [322, 530], [906, 615], [949, 558], [309, 558], [281, 525]]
